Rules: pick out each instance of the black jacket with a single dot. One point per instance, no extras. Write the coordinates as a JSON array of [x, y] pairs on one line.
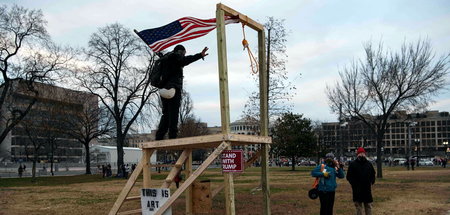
[[361, 176], [173, 67]]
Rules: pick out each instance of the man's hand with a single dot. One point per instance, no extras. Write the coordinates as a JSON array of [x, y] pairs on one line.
[[326, 174], [204, 52]]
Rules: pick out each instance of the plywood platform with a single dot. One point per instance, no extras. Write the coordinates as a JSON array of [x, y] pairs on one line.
[[208, 141]]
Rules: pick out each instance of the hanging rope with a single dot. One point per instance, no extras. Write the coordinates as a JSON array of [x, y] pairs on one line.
[[253, 61]]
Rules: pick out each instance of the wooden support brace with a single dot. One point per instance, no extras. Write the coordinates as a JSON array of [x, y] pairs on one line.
[[136, 211], [173, 172], [126, 190], [132, 198], [192, 178]]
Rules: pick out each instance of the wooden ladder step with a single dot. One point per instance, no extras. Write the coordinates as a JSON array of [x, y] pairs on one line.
[[130, 212], [132, 198]]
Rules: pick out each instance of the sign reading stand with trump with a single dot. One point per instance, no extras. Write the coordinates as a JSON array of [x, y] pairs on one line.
[[232, 161]]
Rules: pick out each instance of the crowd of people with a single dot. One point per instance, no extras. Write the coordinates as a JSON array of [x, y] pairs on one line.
[[122, 172]]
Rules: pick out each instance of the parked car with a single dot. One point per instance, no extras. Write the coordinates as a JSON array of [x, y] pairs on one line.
[[307, 163], [425, 163], [399, 161]]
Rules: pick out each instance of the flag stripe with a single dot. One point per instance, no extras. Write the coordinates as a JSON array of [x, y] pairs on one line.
[[180, 35], [183, 29]]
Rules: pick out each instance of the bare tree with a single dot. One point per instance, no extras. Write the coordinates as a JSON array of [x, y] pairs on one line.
[[88, 124], [27, 55], [186, 107], [119, 76], [192, 127], [280, 90], [42, 127], [371, 89], [33, 147]]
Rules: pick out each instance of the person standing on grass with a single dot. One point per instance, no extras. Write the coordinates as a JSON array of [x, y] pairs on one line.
[[20, 170], [177, 179], [327, 182], [361, 176]]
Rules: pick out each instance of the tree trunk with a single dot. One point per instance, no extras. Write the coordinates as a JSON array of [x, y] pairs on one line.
[[51, 159], [293, 163], [88, 159], [379, 155], [120, 141], [33, 171], [51, 166]]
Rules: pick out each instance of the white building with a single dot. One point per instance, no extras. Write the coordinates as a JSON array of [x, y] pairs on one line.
[[108, 154]]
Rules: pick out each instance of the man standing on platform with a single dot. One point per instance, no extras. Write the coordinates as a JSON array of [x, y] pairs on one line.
[[170, 93]]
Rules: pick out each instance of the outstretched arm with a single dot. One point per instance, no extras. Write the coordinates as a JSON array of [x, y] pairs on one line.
[[192, 58]]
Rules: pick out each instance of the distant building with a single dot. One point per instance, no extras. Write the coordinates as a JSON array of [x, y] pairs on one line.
[[429, 133], [108, 155], [131, 140], [53, 104], [246, 127]]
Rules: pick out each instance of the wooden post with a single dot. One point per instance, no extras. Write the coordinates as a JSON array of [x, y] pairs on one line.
[[223, 71], [224, 103], [188, 172], [264, 119], [147, 153]]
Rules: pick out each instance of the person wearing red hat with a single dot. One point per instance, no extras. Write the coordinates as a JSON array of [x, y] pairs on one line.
[[361, 176]]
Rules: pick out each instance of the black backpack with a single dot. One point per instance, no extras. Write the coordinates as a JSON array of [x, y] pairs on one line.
[[158, 70]]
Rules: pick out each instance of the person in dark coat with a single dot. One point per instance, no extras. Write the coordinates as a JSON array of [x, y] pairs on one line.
[[361, 176], [170, 94]]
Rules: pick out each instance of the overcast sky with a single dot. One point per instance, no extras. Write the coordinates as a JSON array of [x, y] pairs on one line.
[[324, 37]]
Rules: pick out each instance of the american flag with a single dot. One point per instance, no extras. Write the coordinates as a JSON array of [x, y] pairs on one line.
[[183, 29]]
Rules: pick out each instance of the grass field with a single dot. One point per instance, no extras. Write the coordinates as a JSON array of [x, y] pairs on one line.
[[423, 191]]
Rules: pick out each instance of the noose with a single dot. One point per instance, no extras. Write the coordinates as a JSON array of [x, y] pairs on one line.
[[253, 61]]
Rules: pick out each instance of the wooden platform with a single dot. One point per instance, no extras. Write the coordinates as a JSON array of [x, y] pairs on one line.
[[208, 141]]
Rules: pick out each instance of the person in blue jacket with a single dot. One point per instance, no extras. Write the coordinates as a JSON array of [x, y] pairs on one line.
[[327, 182]]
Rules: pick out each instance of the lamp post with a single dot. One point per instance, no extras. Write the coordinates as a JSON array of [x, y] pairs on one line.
[[341, 146], [417, 143], [445, 143], [408, 159]]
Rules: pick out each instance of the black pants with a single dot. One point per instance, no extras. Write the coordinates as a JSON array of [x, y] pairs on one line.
[[326, 202], [169, 118]]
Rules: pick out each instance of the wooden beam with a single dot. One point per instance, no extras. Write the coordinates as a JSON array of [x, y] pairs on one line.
[[188, 172], [248, 139], [126, 190], [130, 212], [229, 192], [264, 119], [174, 171], [208, 141], [192, 178], [223, 71], [183, 142], [147, 177], [131, 198], [242, 18]]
